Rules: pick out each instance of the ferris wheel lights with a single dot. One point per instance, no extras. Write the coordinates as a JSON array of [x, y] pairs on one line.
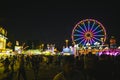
[[96, 43], [88, 30], [87, 44], [78, 25]]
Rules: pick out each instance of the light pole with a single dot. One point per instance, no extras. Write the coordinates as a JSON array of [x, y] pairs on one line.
[[66, 42]]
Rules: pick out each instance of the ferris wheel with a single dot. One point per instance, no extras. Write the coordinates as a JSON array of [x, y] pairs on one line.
[[88, 31]]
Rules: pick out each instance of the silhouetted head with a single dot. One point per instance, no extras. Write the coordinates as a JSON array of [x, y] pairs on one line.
[[68, 63]]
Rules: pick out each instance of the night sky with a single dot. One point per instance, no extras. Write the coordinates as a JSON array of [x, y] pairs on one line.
[[53, 21]]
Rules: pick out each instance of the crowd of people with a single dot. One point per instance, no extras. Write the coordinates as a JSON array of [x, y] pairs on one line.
[[81, 67]]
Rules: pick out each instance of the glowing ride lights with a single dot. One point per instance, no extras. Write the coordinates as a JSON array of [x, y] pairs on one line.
[[88, 30], [3, 34], [97, 44]]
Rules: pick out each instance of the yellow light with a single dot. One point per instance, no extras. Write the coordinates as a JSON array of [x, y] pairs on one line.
[[66, 40]]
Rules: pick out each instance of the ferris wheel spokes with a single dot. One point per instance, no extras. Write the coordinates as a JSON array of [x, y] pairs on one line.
[[76, 35], [84, 26], [97, 39], [96, 28], [88, 30], [88, 25], [81, 41], [93, 40], [97, 31], [92, 26], [81, 28], [99, 35], [79, 38], [85, 42], [79, 31]]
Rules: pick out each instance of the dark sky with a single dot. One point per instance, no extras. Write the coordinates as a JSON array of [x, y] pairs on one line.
[[53, 21]]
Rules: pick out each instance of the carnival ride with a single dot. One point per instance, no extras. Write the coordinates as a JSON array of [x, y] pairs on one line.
[[91, 35], [88, 35], [88, 31]]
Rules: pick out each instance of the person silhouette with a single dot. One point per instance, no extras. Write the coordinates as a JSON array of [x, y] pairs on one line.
[[21, 71], [69, 72]]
